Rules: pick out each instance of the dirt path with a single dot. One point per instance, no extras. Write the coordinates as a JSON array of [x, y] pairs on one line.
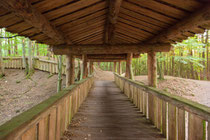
[[103, 75], [18, 94]]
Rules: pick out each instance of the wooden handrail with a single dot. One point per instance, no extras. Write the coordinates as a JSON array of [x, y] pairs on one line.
[[183, 103], [58, 110], [159, 106]]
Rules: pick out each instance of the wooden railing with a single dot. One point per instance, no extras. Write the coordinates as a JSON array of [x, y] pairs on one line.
[[175, 117], [49, 119], [39, 63]]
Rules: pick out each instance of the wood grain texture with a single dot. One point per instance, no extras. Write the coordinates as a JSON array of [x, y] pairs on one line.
[[28, 13], [181, 124], [195, 128], [172, 130], [109, 49]]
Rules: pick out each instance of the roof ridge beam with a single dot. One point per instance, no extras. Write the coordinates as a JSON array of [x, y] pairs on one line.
[[114, 9]]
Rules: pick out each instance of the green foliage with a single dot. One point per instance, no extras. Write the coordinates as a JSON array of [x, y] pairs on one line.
[[187, 59]]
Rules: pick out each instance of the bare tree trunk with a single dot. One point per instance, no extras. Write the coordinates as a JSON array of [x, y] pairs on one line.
[[160, 68], [207, 56], [37, 49], [30, 65], [192, 68], [25, 64], [1, 59], [60, 63]]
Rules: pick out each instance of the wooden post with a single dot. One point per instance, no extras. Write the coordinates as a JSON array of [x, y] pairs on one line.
[[114, 67], [91, 67], [129, 73], [70, 66], [85, 68], [119, 68], [152, 68]]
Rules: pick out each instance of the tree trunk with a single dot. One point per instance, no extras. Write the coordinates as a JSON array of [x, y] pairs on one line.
[[208, 57], [30, 62], [160, 65], [119, 68], [192, 68], [59, 83], [85, 68], [1, 58], [114, 67], [25, 64]]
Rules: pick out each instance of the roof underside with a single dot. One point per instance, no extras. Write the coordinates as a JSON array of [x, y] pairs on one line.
[[88, 21]]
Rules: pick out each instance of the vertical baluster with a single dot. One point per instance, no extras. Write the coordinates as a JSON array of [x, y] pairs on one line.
[[195, 127], [172, 130], [151, 108], [164, 118], [181, 124], [159, 114], [43, 128], [52, 125], [30, 134], [58, 123]]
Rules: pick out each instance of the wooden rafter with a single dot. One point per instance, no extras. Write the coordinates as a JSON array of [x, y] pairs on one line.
[[26, 11], [114, 8], [200, 18], [110, 49]]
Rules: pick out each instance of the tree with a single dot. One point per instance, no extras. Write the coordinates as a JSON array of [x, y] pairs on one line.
[[1, 58], [60, 64]]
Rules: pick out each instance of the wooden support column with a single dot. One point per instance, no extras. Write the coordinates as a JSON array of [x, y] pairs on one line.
[[91, 67], [70, 66], [85, 68], [119, 68], [152, 68], [129, 73], [115, 63]]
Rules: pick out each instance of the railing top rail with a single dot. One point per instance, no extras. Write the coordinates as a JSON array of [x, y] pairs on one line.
[[193, 107], [28, 117]]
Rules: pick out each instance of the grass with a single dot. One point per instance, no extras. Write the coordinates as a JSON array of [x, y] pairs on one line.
[[18, 81]]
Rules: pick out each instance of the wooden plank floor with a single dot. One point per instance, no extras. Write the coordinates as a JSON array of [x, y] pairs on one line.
[[107, 114]]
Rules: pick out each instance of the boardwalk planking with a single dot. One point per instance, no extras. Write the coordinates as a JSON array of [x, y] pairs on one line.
[[108, 114]]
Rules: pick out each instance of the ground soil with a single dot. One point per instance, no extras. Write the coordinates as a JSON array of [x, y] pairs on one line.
[[17, 94], [195, 90]]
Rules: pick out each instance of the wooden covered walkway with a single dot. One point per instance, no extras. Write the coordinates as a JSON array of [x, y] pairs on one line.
[[108, 114]]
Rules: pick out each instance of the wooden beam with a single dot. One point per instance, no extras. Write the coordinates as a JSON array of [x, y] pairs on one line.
[[107, 60], [70, 66], [200, 18], [24, 10], [104, 56], [114, 8], [152, 68], [110, 49]]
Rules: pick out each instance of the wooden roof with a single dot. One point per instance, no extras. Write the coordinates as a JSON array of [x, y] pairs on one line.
[[85, 22]]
